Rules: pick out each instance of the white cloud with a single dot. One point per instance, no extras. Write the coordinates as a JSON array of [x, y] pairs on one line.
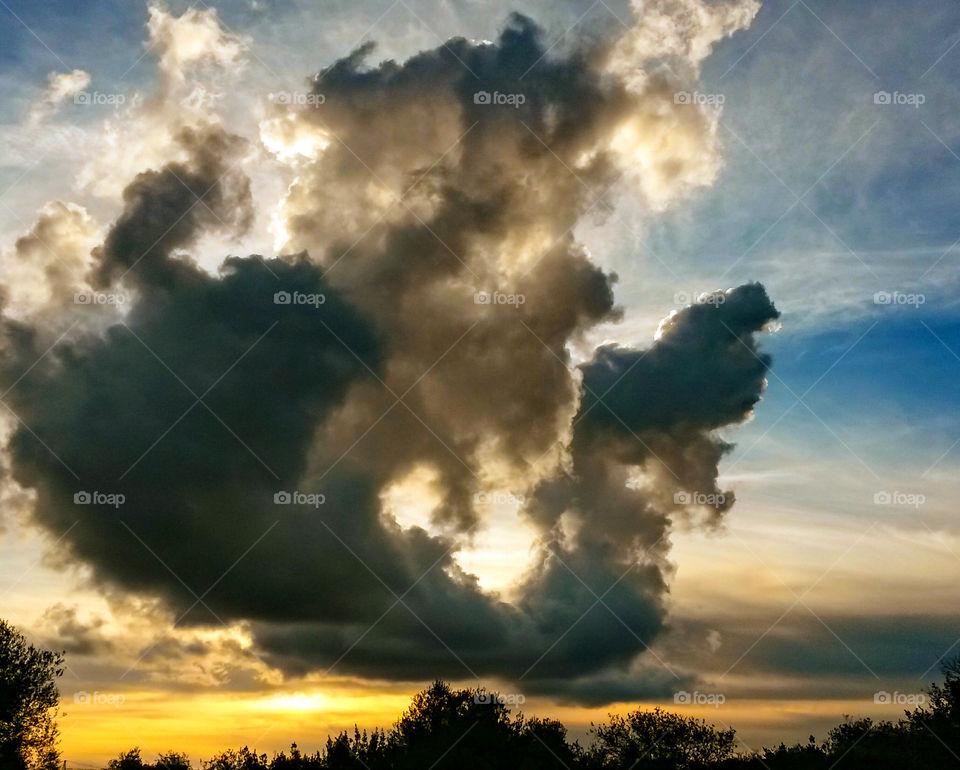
[[194, 38], [60, 87]]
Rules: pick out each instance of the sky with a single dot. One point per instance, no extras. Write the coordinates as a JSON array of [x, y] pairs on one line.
[[615, 360]]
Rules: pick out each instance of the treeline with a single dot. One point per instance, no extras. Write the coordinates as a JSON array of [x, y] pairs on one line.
[[459, 729], [452, 729]]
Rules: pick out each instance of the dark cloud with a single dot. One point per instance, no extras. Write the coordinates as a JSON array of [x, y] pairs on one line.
[[704, 372], [210, 397], [653, 682], [651, 415], [828, 656], [196, 409], [167, 209]]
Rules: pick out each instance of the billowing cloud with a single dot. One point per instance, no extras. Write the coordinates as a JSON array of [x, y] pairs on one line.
[[681, 31], [192, 39], [228, 441], [45, 267], [198, 59]]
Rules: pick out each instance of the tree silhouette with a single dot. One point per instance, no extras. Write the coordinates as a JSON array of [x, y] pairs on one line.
[[128, 760], [941, 720], [132, 760], [648, 739], [173, 760], [244, 759], [450, 729], [28, 702], [542, 743]]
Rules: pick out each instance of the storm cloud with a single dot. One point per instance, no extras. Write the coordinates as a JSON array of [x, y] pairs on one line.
[[226, 441]]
